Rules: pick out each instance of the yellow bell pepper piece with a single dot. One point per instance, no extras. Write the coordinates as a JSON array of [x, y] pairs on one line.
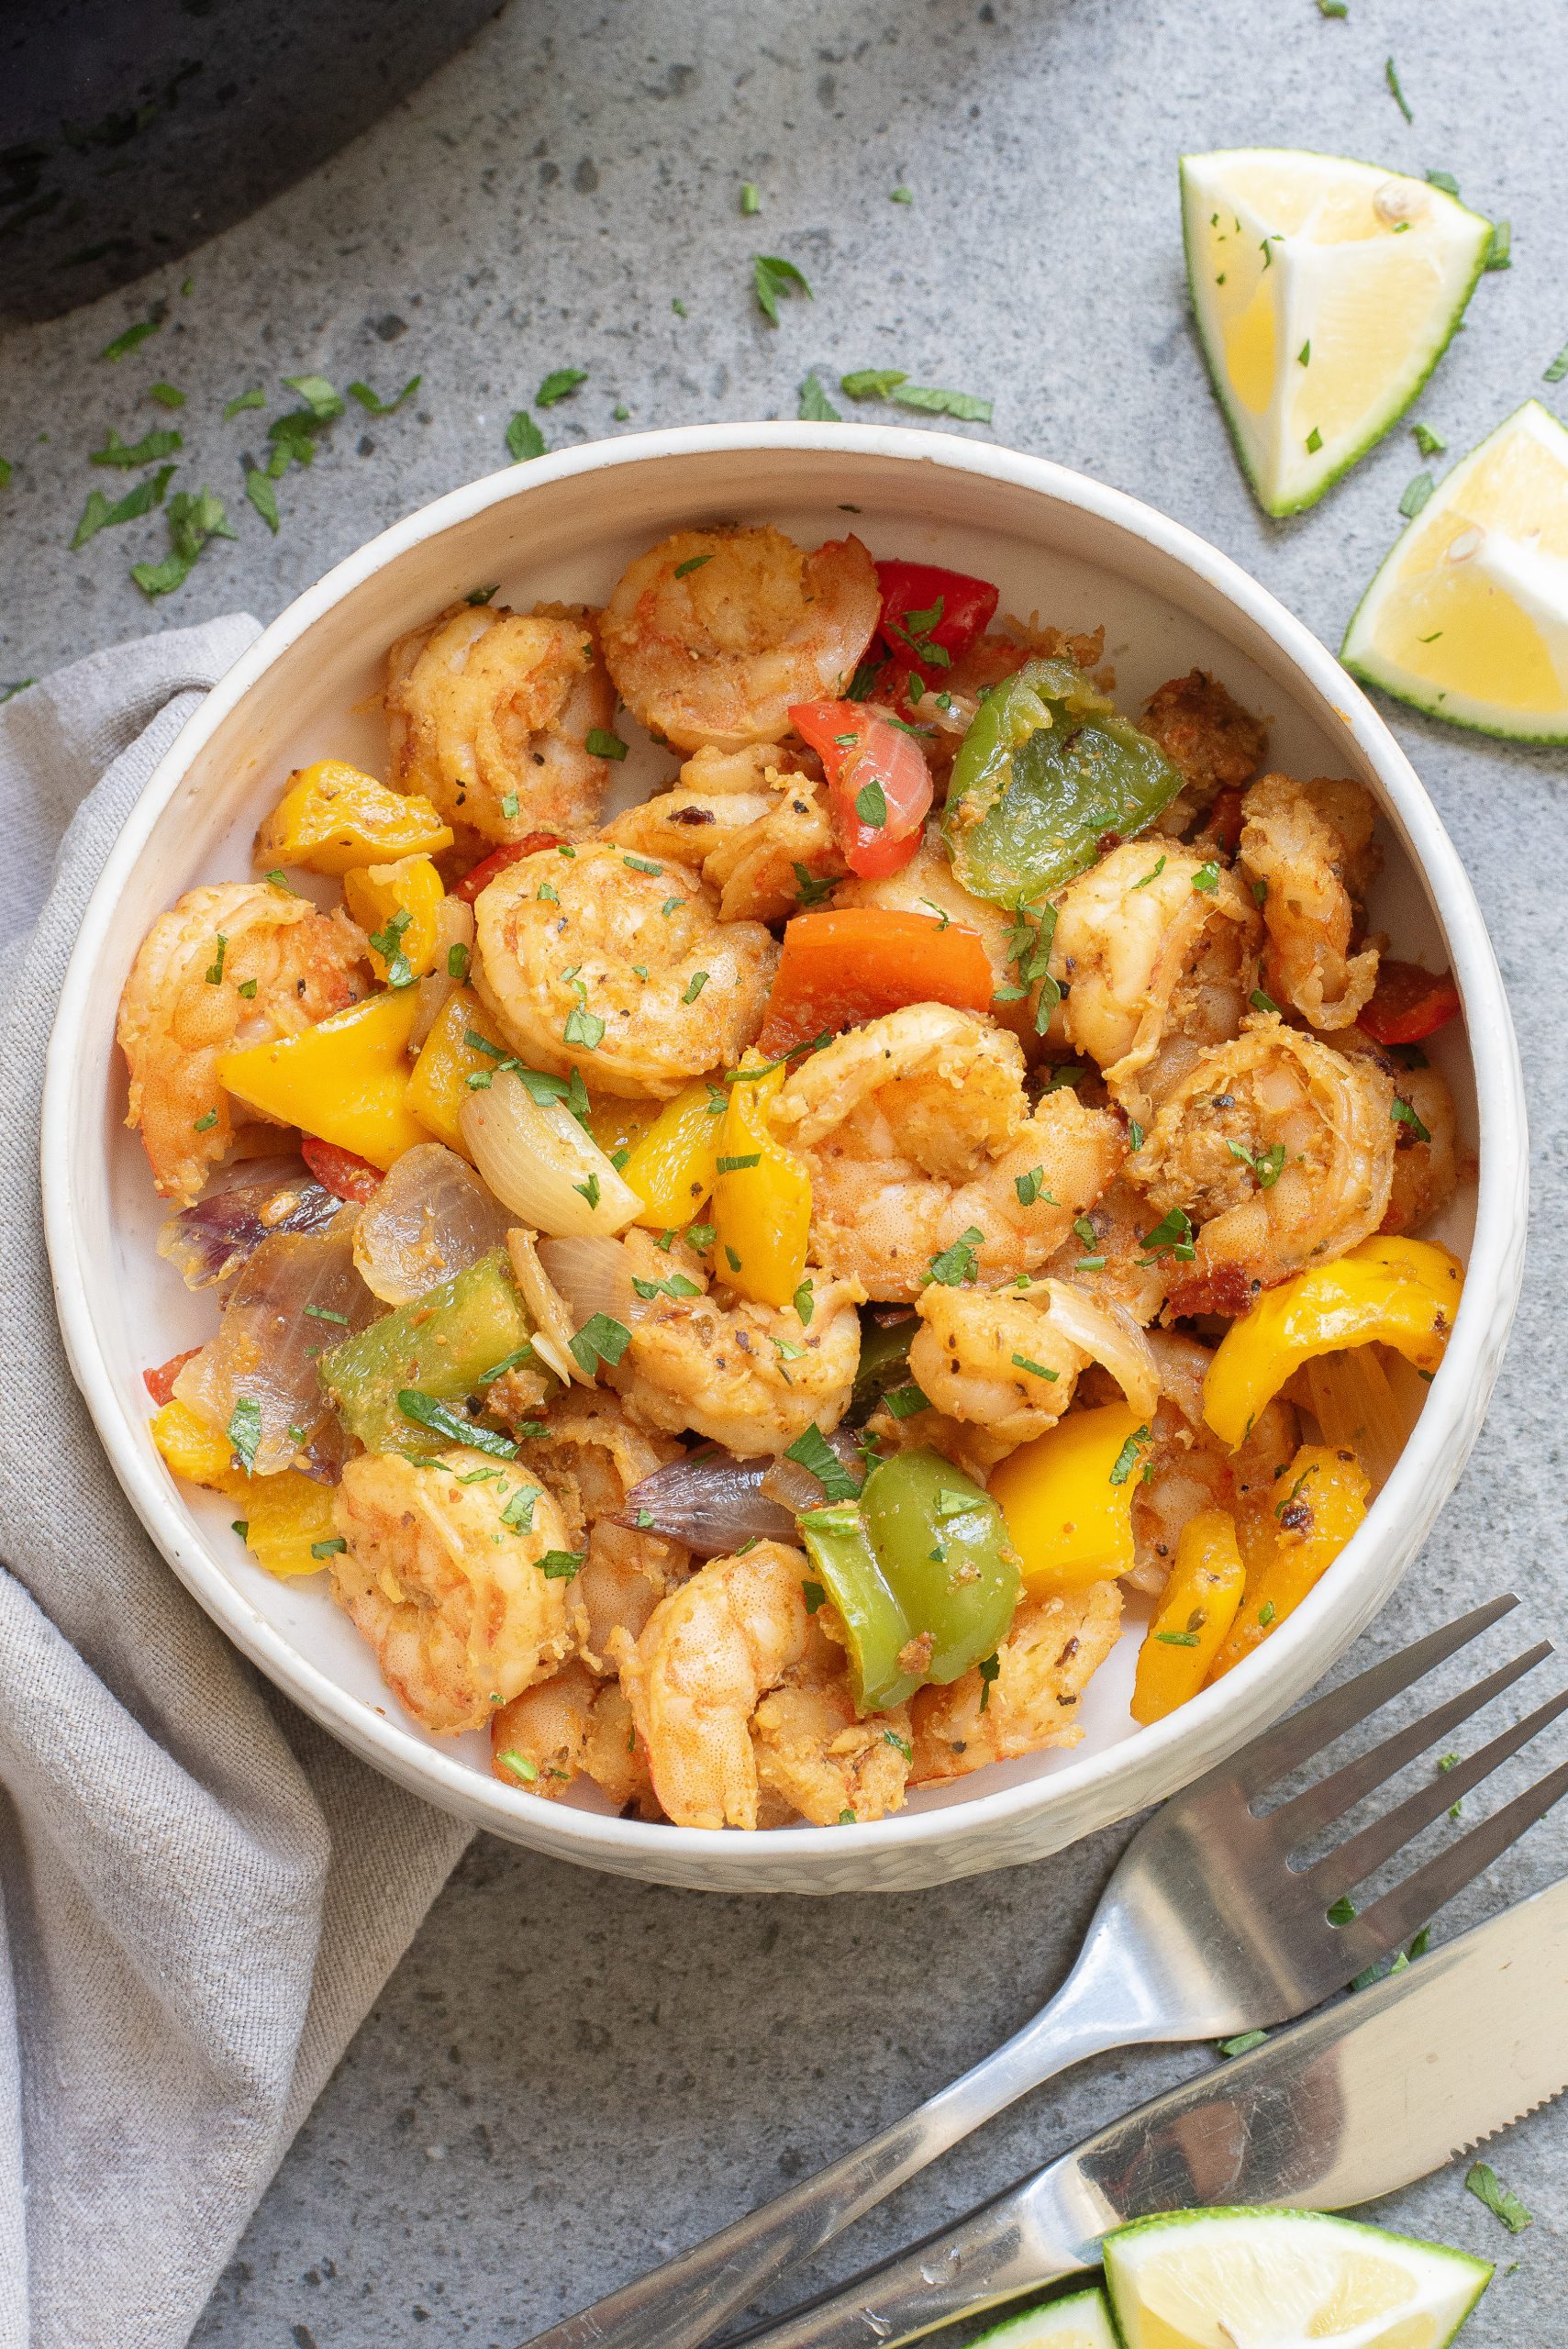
[[192, 1446], [400, 905], [1067, 1498], [283, 1519], [332, 818], [439, 1087], [1323, 1497], [762, 1198], [620, 1125], [1400, 1293], [345, 1081], [1200, 1606], [672, 1168]]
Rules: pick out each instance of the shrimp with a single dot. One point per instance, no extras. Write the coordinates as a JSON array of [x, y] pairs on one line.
[[1425, 1174], [590, 1456], [1310, 845], [1281, 1148], [752, 1377], [1052, 1651], [707, 1656], [230, 966], [753, 820], [1104, 1254], [490, 712], [918, 1138], [594, 959], [572, 1725], [1188, 1468], [712, 634], [1216, 744], [816, 1755], [1006, 1361], [458, 1598], [1159, 954]]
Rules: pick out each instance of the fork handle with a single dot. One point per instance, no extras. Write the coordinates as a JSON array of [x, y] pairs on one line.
[[686, 2301]]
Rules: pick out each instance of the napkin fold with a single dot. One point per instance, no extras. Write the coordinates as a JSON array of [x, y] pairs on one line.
[[200, 1893]]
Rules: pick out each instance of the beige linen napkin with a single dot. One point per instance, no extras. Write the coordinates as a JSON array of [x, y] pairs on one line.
[[200, 1893]]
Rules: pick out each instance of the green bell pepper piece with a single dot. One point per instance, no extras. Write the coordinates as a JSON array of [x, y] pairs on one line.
[[1045, 771], [942, 1546], [443, 1343], [877, 1626], [883, 1363]]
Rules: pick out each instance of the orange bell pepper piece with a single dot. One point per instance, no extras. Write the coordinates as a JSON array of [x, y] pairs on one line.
[[851, 963], [1200, 1606], [1323, 1497]]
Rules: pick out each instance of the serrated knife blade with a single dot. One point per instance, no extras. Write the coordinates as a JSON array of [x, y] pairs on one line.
[[1376, 2091]]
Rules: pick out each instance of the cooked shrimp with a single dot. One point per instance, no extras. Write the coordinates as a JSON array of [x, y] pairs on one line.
[[752, 1377], [712, 634], [1105, 1255], [591, 960], [1425, 1174], [1052, 1651], [928, 885], [1158, 947], [456, 1597], [490, 712], [1006, 1361], [571, 1726], [227, 967], [1188, 1469], [918, 1134], [754, 822], [590, 1456], [1281, 1148], [815, 1753], [1310, 845], [708, 1655], [1216, 744]]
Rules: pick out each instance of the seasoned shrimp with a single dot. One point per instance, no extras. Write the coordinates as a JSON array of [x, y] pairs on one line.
[[752, 1377], [592, 959], [1310, 845], [813, 1751], [1281, 1148], [1216, 744], [712, 634], [753, 820], [1159, 954], [457, 1599], [1425, 1174], [590, 1456], [1104, 1254], [227, 967], [571, 1726], [1006, 1361], [918, 1136], [490, 712], [1051, 1654], [708, 1655]]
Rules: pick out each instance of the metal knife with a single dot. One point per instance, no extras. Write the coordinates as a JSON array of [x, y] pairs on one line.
[[1381, 2088]]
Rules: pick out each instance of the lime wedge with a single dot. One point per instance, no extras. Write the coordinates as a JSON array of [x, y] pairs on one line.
[[1325, 292], [1280, 2279], [1081, 2321], [1468, 617]]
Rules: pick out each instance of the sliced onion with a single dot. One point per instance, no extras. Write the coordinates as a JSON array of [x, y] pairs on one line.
[[431, 1219], [1357, 1404], [553, 1327], [454, 927], [1108, 1334], [210, 1241], [594, 1275], [712, 1503], [539, 1163]]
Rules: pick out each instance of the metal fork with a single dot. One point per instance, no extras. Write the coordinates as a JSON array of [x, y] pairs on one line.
[[1205, 1927]]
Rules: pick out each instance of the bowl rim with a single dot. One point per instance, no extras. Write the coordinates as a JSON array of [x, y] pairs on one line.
[[1427, 1468]]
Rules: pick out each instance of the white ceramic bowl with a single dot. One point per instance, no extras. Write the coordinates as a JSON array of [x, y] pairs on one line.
[[563, 527]]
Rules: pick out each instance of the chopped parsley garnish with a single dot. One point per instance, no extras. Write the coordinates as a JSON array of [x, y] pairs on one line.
[[804, 1304], [262, 494], [965, 406], [1152, 874], [524, 438], [377, 407], [1268, 1165], [245, 1431], [589, 1190], [676, 1284], [1035, 1369], [509, 806], [457, 962], [816, 407], [98, 514], [1178, 1639], [905, 1401], [814, 1595], [329, 1548], [1134, 1134], [603, 744], [558, 384], [812, 890], [426, 1411], [693, 563], [700, 1236], [1261, 1002], [1126, 1460], [1500, 2200], [1417, 493], [1500, 251], [1173, 1232], [736, 1165], [600, 1340], [1207, 878], [519, 1764], [1406, 1117], [774, 278], [873, 382], [1303, 356], [254, 397], [871, 805], [388, 944], [953, 1267], [130, 339], [816, 1455], [214, 971], [324, 1313], [698, 981], [166, 394], [1031, 1187], [147, 450], [750, 198], [193, 518], [204, 1124], [518, 1512], [733, 1259], [1391, 75], [560, 1565], [1245, 2041], [240, 1525], [583, 1027], [989, 1668], [899, 1745], [1314, 441]]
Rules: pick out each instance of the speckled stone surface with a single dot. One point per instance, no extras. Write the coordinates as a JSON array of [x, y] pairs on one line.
[[571, 2076]]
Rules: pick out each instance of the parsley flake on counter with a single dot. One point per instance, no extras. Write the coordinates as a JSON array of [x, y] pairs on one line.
[[1500, 2200], [98, 514], [1558, 369], [1391, 77], [872, 383], [322, 402], [262, 495], [147, 450], [193, 518], [816, 407], [1429, 443], [750, 198], [166, 394], [1417, 493], [1500, 251], [773, 278], [254, 397], [901, 195], [558, 384], [6, 469], [1245, 2041], [377, 407], [601, 744], [524, 438], [130, 339], [1333, 7], [965, 406]]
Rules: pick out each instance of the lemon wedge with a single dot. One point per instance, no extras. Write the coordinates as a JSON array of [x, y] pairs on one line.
[[1468, 617], [1283, 2279], [1325, 292], [1081, 2321]]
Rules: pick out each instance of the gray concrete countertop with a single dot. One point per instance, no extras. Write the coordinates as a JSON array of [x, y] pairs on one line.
[[569, 2076]]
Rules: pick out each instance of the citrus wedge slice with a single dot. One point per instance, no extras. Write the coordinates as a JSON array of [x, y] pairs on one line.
[[1282, 2279], [1468, 617], [1081, 2321], [1325, 292]]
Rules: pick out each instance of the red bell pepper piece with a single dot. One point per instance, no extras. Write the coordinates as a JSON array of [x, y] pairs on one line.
[[851, 963], [879, 786], [1408, 1004], [480, 876], [160, 1383], [344, 1175], [930, 617]]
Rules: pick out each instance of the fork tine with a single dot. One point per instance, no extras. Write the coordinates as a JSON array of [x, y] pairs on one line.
[[1295, 1739], [1380, 1929], [1349, 1862], [1319, 1806]]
